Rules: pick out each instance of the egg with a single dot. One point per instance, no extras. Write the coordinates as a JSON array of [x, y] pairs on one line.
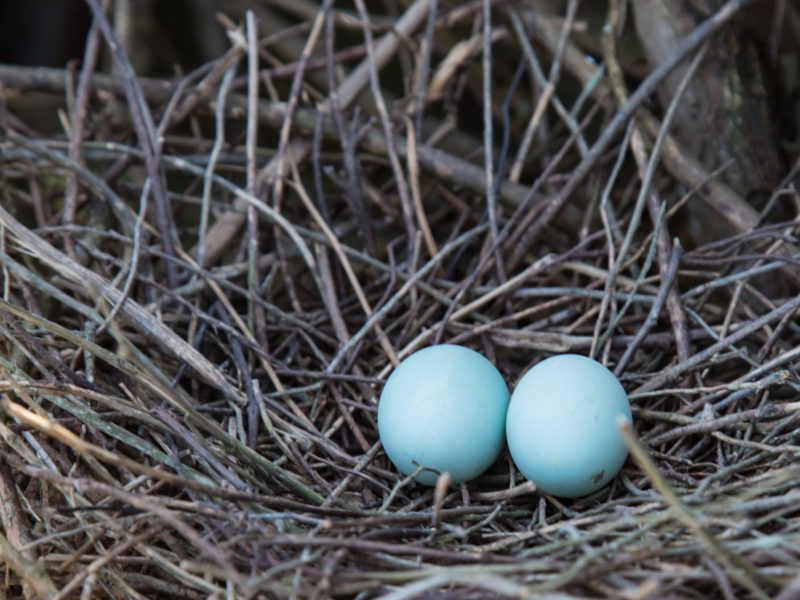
[[443, 407], [562, 425]]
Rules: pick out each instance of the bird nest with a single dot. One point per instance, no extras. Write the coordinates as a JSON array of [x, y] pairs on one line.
[[208, 278]]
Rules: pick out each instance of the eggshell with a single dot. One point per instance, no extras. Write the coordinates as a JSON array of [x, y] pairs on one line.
[[444, 407], [562, 425]]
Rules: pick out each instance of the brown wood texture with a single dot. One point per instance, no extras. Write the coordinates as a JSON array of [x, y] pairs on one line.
[[725, 113]]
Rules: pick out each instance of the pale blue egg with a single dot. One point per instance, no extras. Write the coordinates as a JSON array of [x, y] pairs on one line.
[[443, 407], [562, 425]]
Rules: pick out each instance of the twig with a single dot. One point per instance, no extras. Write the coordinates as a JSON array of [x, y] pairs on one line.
[[399, 176], [219, 140], [626, 111], [737, 566], [488, 139], [145, 131], [77, 126], [548, 93], [671, 373], [655, 309]]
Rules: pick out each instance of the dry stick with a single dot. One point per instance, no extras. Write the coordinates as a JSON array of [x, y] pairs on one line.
[[618, 85], [616, 77], [543, 82], [294, 93], [134, 500], [262, 207], [12, 516], [140, 318], [347, 414], [549, 88], [255, 312], [615, 259], [219, 140], [508, 287], [32, 573], [426, 49], [413, 174], [15, 524], [311, 65], [737, 566], [177, 429], [134, 262], [138, 234], [145, 193], [345, 94], [488, 140], [791, 591], [666, 285], [397, 169], [691, 172], [534, 269], [448, 69], [506, 236], [252, 105], [734, 351], [67, 437], [130, 224], [522, 218], [615, 267], [348, 140], [100, 187], [626, 111], [606, 218], [337, 248], [645, 269], [450, 168], [100, 563], [329, 297], [438, 163], [672, 373], [782, 187], [114, 359], [248, 334], [373, 546], [19, 464], [175, 398], [359, 466], [719, 197], [202, 91], [705, 287], [677, 318], [701, 425], [776, 335], [76, 128], [208, 279], [145, 132], [390, 303], [740, 284], [244, 373], [213, 242], [489, 586], [382, 52]]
